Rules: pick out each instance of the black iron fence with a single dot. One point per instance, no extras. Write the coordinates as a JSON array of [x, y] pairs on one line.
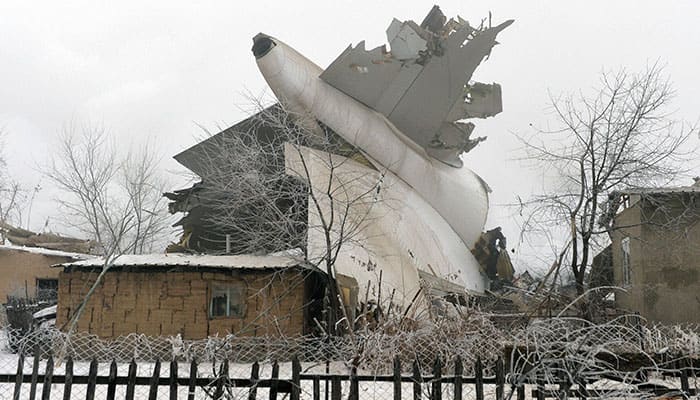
[[43, 380]]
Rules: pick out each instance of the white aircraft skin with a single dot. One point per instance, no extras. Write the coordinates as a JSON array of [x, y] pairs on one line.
[[457, 194]]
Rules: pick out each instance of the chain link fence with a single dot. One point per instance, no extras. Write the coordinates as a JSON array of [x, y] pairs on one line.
[[545, 350]]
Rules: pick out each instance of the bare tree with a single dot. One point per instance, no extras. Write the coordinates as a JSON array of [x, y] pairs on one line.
[[11, 194], [115, 201], [275, 181], [621, 136]]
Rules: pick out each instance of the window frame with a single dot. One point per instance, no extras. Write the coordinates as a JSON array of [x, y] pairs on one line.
[[626, 262], [230, 291]]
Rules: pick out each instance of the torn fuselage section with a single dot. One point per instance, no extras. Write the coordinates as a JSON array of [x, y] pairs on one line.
[[422, 85]]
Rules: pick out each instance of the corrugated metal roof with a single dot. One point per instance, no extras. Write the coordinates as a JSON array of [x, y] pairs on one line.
[[244, 261], [695, 188], [46, 252]]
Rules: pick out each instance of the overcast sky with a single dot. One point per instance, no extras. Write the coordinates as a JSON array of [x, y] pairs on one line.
[[159, 69]]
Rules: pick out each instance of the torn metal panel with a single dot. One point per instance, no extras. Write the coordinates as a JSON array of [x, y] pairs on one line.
[[481, 100], [364, 75], [404, 39], [422, 84]]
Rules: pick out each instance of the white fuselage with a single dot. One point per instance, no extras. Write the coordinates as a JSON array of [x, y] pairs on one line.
[[457, 194]]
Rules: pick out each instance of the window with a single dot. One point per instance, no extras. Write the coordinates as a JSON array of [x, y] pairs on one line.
[[46, 289], [626, 273], [227, 301]]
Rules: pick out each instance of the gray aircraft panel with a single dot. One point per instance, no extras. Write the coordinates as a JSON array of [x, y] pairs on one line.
[[424, 92]]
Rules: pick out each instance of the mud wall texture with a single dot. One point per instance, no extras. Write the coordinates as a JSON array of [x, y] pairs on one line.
[[664, 243], [167, 303]]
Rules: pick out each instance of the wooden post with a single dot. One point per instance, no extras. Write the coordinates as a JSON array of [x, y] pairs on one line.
[[685, 386], [296, 381], [92, 380], [112, 380], [582, 389], [397, 378], [19, 378], [500, 378], [131, 380], [459, 371], [354, 384], [479, 379], [317, 387], [48, 377], [254, 375], [35, 375], [336, 388], [417, 380], [191, 388], [173, 380], [521, 392], [437, 380], [223, 376], [274, 380], [540, 389], [68, 385], [153, 390]]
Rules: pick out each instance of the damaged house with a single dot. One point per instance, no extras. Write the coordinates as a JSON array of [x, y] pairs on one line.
[[655, 252], [25, 263]]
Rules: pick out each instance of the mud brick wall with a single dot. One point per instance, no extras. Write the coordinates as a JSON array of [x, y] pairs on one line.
[[171, 303], [18, 267]]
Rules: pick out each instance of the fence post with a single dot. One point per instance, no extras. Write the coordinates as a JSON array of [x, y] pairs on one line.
[[479, 379], [48, 377], [20, 376], [296, 381], [437, 380], [459, 371], [354, 386], [68, 385], [336, 388], [173, 380], [112, 380], [254, 375], [153, 390], [685, 386], [317, 387], [92, 380], [540, 389], [397, 378], [131, 381], [500, 378], [274, 381], [191, 388], [35, 374], [417, 380], [223, 375]]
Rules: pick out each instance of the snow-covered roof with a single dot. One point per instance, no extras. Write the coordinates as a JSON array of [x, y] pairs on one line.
[[243, 261], [46, 252]]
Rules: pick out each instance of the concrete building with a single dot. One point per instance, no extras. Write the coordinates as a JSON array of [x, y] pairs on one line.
[[195, 296], [656, 252]]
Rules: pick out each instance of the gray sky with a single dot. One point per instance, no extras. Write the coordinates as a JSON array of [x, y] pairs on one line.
[[157, 69]]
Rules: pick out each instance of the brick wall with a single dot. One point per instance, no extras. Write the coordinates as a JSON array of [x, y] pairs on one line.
[[170, 303]]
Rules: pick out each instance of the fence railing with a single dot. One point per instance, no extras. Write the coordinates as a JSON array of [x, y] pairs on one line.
[[402, 383]]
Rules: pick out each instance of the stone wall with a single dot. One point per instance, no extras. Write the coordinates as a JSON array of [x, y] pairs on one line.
[[171, 303]]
